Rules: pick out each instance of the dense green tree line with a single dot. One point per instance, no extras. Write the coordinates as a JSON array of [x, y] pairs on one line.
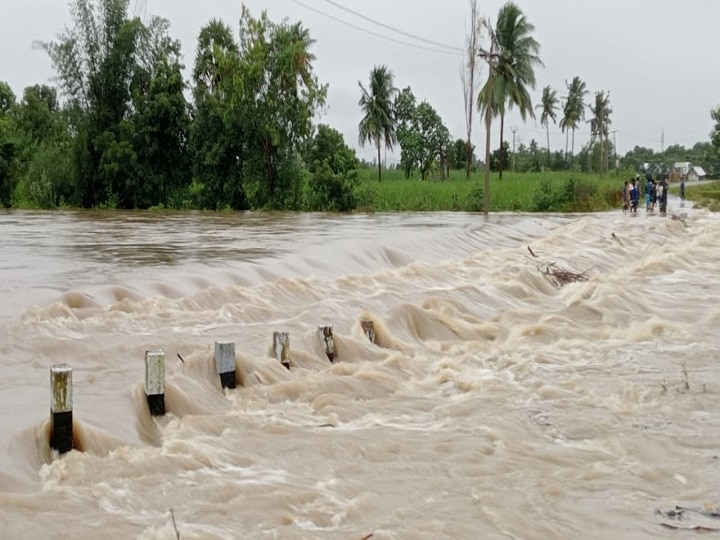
[[125, 135], [120, 132]]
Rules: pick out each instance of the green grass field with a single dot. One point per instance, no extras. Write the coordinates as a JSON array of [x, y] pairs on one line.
[[522, 192], [704, 195]]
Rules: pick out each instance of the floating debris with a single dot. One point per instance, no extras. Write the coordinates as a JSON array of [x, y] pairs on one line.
[[706, 518], [559, 276]]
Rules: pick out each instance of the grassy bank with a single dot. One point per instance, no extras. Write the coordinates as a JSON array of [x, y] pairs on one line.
[[516, 192], [522, 192], [704, 195]]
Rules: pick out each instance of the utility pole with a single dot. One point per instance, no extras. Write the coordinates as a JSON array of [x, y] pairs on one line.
[[662, 140]]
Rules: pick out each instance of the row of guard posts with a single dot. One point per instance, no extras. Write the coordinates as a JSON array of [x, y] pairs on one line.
[[61, 402]]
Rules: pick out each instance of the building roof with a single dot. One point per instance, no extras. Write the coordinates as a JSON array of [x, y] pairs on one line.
[[699, 171]]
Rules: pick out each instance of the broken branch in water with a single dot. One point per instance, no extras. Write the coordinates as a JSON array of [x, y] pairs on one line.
[[177, 533], [563, 277], [560, 276]]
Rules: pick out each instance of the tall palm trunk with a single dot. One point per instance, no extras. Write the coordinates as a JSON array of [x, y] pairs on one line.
[[606, 146], [379, 165], [486, 189], [547, 128], [567, 136], [468, 158], [502, 150], [572, 148]]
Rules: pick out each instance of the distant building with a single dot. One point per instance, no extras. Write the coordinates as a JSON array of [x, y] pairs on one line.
[[682, 168], [695, 173]]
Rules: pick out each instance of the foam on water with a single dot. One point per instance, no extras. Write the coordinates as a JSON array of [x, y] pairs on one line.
[[496, 401]]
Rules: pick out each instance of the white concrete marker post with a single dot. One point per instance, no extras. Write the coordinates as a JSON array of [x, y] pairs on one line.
[[326, 336], [369, 329], [225, 363], [61, 406], [281, 345], [155, 381]]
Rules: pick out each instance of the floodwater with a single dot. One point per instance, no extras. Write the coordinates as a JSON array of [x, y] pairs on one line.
[[495, 403]]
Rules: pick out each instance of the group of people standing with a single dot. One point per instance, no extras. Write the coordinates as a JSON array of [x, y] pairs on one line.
[[656, 193]]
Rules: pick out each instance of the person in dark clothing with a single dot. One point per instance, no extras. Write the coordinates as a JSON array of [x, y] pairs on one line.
[[682, 192], [634, 196], [664, 196], [649, 195]]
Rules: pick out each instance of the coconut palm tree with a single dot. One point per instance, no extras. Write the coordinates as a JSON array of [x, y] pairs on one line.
[[574, 108], [299, 57], [514, 72], [548, 105], [376, 102], [565, 126], [599, 126]]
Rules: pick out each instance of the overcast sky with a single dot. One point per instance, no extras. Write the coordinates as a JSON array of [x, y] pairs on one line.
[[657, 59]]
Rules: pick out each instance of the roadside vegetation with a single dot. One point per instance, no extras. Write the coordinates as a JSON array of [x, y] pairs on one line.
[[516, 192], [123, 129], [704, 195]]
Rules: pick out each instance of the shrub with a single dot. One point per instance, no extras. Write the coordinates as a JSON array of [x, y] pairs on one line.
[[365, 196], [331, 192], [476, 198], [546, 198]]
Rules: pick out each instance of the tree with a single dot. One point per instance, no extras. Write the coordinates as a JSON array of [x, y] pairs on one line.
[[424, 139], [406, 133], [715, 134], [38, 113], [216, 137], [599, 126], [573, 109], [500, 157], [491, 56], [45, 142], [434, 136], [376, 102], [7, 98], [328, 146], [254, 105], [8, 149], [458, 155], [106, 64], [275, 96], [548, 105], [160, 124], [468, 76], [515, 69], [215, 44]]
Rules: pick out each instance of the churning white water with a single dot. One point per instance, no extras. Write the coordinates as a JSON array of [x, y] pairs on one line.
[[496, 402]]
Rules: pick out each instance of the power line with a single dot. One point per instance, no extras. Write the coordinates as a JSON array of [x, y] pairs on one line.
[[388, 27], [414, 45]]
